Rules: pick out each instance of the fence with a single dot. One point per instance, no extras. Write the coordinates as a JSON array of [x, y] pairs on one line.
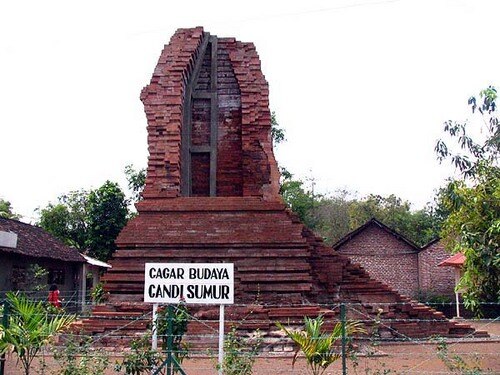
[[257, 342]]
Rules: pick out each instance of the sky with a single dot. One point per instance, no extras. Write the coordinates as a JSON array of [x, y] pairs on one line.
[[361, 87]]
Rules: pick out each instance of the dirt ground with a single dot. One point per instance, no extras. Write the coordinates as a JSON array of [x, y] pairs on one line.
[[402, 358]]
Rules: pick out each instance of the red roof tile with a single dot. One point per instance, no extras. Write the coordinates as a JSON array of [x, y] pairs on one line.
[[456, 260], [35, 242]]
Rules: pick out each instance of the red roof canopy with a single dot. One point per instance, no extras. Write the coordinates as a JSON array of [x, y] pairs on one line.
[[456, 260]]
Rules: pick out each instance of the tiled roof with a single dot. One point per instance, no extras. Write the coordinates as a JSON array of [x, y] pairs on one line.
[[381, 225], [35, 242], [456, 260]]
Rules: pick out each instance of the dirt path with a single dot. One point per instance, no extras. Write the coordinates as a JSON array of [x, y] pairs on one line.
[[400, 358]]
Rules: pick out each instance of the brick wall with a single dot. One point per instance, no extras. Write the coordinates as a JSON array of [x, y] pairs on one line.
[[434, 279], [277, 260], [163, 104], [245, 159], [229, 147], [385, 257]]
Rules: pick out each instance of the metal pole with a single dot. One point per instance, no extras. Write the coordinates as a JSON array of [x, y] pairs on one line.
[[344, 340], [5, 324], [221, 337], [154, 341], [170, 339], [83, 288]]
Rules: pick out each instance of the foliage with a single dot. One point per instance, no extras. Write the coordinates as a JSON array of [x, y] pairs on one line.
[[77, 357], [239, 354], [67, 220], [430, 298], [418, 226], [473, 228], [98, 294], [333, 216], [475, 152], [455, 363], [299, 200], [34, 278], [6, 210], [180, 319], [38, 276], [88, 220], [141, 359], [277, 132], [106, 216], [320, 349], [29, 328], [473, 201], [371, 352], [136, 180]]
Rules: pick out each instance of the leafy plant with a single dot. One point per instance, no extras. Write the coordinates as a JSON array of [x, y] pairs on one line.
[[320, 349], [136, 180], [455, 363], [29, 328], [76, 357], [432, 298], [98, 294], [371, 352], [141, 358], [180, 319], [473, 200], [239, 354]]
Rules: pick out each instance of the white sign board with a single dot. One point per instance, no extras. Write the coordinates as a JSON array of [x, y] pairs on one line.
[[202, 283]]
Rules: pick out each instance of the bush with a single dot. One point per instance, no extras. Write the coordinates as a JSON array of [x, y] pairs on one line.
[[239, 354], [76, 357]]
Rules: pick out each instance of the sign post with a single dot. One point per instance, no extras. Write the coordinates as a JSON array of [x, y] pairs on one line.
[[154, 339], [221, 338], [191, 283]]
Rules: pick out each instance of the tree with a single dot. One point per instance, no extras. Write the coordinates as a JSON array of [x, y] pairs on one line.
[[277, 132], [88, 220], [298, 199], [6, 210], [333, 216], [30, 328], [67, 220], [136, 181], [475, 153], [473, 200], [419, 226], [106, 216], [320, 349]]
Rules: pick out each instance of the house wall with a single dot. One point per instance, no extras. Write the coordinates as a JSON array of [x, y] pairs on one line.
[[434, 279], [9, 262], [385, 258]]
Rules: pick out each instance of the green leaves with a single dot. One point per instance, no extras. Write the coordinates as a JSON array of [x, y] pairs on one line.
[[88, 220], [473, 228], [6, 210], [320, 349], [29, 328], [106, 216]]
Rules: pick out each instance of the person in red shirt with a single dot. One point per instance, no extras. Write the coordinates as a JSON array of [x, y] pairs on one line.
[[54, 296]]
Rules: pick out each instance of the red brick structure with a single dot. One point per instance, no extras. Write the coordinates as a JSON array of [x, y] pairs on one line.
[[211, 195], [433, 279], [396, 261]]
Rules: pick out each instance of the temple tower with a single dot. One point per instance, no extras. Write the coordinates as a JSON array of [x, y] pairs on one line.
[[212, 195]]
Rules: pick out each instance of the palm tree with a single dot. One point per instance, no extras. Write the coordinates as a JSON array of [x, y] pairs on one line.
[[30, 327], [320, 349]]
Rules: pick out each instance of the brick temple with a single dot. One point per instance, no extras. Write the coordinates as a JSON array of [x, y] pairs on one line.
[[212, 195]]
